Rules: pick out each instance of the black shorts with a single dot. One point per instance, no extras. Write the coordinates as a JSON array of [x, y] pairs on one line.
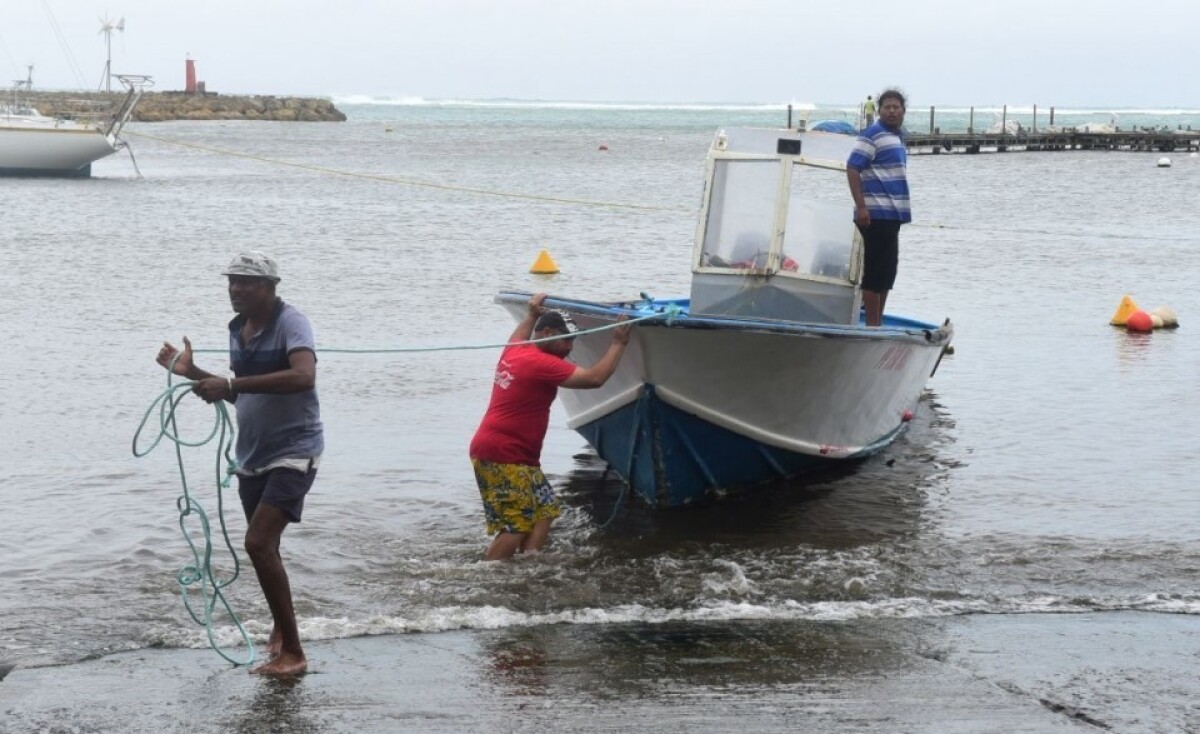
[[282, 488], [881, 254]]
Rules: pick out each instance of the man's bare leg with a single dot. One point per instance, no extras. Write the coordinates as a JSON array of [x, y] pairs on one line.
[[504, 545], [873, 303], [274, 643], [536, 539], [262, 545]]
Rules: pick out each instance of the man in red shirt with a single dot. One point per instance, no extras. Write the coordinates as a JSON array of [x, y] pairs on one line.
[[518, 502]]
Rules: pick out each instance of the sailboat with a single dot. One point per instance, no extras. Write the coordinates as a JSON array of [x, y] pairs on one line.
[[32, 144]]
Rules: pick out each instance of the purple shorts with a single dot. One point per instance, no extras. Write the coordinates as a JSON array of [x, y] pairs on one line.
[[282, 488]]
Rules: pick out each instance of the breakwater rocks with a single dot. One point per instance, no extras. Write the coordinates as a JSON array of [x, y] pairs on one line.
[[164, 106]]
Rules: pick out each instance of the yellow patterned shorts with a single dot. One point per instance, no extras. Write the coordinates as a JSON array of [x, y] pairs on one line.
[[515, 496]]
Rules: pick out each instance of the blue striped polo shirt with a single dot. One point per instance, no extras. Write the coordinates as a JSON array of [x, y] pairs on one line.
[[274, 427], [881, 160]]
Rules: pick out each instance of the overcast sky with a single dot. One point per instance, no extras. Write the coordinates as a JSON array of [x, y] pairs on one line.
[[1069, 53]]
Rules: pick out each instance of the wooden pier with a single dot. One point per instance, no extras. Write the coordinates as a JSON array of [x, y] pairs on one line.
[[1165, 141], [1013, 136]]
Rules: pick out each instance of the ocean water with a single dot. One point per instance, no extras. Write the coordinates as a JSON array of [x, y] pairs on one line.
[[1048, 469]]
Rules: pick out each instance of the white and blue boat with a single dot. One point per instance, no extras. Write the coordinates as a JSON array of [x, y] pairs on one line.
[[767, 371]]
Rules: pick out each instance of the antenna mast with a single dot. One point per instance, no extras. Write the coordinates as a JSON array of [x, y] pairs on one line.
[[106, 28]]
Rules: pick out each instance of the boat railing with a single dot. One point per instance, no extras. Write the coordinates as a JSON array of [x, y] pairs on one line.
[[107, 115], [135, 85]]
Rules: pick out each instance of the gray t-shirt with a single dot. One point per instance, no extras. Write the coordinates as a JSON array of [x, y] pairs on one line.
[[273, 427]]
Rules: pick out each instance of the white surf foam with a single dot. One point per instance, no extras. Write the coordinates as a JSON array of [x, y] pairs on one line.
[[449, 618], [401, 101]]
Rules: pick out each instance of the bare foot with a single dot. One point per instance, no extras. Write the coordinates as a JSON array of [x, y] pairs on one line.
[[282, 665]]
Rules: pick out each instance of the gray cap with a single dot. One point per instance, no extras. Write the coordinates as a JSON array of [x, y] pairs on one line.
[[254, 264]]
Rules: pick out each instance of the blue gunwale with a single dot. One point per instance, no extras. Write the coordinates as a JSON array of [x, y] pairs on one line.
[[894, 327]]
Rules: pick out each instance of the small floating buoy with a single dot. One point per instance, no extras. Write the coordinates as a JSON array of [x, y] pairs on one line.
[[1139, 321], [544, 265], [387, 129], [604, 146], [1127, 307], [1164, 162], [1169, 319], [906, 417]]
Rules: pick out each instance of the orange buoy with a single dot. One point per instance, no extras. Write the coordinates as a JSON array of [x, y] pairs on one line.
[[1139, 321], [908, 415]]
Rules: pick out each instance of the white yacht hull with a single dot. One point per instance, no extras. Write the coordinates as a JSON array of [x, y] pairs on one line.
[[51, 151]]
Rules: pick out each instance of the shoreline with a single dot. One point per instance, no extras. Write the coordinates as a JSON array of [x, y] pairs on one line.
[[1124, 671]]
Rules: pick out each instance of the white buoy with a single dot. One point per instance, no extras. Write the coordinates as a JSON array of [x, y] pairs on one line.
[[1167, 314], [1164, 162]]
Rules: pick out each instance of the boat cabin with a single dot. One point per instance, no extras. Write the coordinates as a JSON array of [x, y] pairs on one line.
[[776, 237]]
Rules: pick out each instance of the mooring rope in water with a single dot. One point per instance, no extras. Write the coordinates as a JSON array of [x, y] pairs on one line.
[[416, 182], [616, 505], [200, 572]]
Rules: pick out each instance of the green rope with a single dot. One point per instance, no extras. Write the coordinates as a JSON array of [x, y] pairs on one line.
[[668, 315], [199, 573]]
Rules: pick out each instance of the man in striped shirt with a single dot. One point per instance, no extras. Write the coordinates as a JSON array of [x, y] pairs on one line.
[[876, 173]]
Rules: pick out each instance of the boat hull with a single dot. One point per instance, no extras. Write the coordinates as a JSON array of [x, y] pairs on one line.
[[48, 151], [700, 407], [673, 458]]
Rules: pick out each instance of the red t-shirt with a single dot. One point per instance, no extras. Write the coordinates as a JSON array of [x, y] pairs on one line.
[[515, 423]]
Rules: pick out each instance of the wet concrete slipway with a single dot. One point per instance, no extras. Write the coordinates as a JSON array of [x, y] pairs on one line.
[[1122, 671]]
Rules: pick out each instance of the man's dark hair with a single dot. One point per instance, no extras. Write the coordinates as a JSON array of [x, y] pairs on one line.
[[555, 320], [893, 94]]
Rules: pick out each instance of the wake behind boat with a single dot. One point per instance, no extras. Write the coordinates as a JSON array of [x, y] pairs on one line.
[[32, 144], [767, 371]]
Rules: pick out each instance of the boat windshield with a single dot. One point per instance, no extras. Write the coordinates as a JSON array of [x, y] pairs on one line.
[[741, 214], [819, 236], [818, 232]]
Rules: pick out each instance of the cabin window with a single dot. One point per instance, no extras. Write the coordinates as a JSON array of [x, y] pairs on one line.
[[819, 234], [741, 214]]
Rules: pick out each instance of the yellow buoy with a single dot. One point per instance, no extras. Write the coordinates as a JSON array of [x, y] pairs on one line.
[[1122, 315], [544, 265]]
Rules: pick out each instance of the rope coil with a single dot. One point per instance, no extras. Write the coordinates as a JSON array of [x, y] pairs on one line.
[[199, 574]]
